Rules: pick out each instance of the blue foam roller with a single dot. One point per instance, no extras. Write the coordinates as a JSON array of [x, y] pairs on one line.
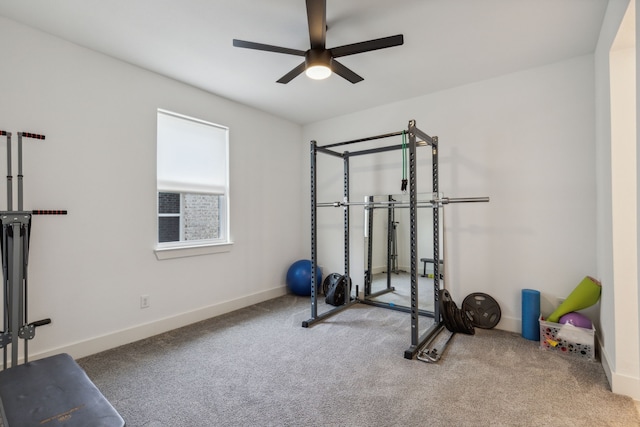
[[530, 314]]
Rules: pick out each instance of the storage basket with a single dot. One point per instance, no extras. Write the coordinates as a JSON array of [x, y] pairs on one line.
[[553, 338]]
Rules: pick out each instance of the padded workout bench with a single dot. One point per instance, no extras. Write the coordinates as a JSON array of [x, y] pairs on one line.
[[54, 391], [426, 261]]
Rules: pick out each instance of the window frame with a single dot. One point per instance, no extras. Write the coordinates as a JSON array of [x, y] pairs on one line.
[[181, 248]]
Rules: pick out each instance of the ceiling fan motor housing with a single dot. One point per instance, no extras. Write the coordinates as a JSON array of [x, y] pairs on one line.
[[318, 57]]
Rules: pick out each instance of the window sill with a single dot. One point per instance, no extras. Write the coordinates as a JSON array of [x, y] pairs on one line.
[[188, 251]]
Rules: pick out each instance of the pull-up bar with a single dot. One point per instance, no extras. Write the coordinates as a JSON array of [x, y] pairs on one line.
[[425, 138], [324, 149], [369, 138]]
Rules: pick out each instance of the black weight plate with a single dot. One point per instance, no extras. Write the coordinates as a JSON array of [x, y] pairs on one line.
[[484, 310], [341, 288], [444, 295], [328, 281], [468, 324], [444, 304], [449, 316], [457, 318], [463, 323]]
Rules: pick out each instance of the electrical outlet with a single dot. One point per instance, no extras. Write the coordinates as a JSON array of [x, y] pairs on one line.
[[144, 301]]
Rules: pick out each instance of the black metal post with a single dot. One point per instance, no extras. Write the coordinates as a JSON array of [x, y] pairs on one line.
[[347, 210], [436, 230], [314, 232], [9, 176], [390, 225], [369, 210], [413, 231]]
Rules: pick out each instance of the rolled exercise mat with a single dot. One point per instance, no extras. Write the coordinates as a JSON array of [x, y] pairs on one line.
[[584, 295], [530, 314]]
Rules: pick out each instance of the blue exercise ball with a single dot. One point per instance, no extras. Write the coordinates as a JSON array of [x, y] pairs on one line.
[[299, 277]]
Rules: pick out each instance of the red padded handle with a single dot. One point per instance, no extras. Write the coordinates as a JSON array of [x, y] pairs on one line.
[[48, 212], [31, 135]]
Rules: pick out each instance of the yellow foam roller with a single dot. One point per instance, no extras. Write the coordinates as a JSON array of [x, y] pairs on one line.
[[584, 295]]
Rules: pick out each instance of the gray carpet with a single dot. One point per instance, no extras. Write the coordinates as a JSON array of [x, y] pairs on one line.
[[259, 367], [401, 296]]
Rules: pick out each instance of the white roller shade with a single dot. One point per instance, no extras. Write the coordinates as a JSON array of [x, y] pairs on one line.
[[192, 155]]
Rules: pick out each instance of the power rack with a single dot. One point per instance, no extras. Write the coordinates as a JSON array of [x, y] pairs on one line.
[[416, 139]]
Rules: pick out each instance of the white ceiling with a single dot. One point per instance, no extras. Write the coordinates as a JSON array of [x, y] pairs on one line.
[[447, 43]]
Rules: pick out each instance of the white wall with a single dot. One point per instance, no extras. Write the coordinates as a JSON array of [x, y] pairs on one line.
[[89, 268], [616, 130], [524, 139]]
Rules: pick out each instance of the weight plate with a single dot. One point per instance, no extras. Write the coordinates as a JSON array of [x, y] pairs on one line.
[[457, 318], [445, 304], [454, 319], [463, 322], [341, 288], [328, 281], [483, 310], [468, 323]]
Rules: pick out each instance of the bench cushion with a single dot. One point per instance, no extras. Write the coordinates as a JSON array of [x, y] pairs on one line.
[[54, 391]]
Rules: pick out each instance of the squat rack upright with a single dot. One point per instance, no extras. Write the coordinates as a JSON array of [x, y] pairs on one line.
[[416, 138]]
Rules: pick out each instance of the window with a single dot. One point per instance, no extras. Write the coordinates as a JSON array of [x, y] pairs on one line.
[[192, 182]]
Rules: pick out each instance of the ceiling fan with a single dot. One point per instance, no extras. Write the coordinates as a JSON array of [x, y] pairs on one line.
[[319, 62]]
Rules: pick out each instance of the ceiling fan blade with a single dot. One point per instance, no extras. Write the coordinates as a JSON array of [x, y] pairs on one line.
[[267, 47], [344, 72], [317, 18], [292, 74], [351, 49]]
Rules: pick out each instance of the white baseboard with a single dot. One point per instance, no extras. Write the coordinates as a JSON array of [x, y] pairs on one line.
[[604, 361], [620, 384], [510, 324], [136, 333], [627, 386]]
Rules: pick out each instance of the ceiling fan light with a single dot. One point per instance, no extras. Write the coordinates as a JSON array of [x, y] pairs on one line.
[[318, 63], [318, 72]]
